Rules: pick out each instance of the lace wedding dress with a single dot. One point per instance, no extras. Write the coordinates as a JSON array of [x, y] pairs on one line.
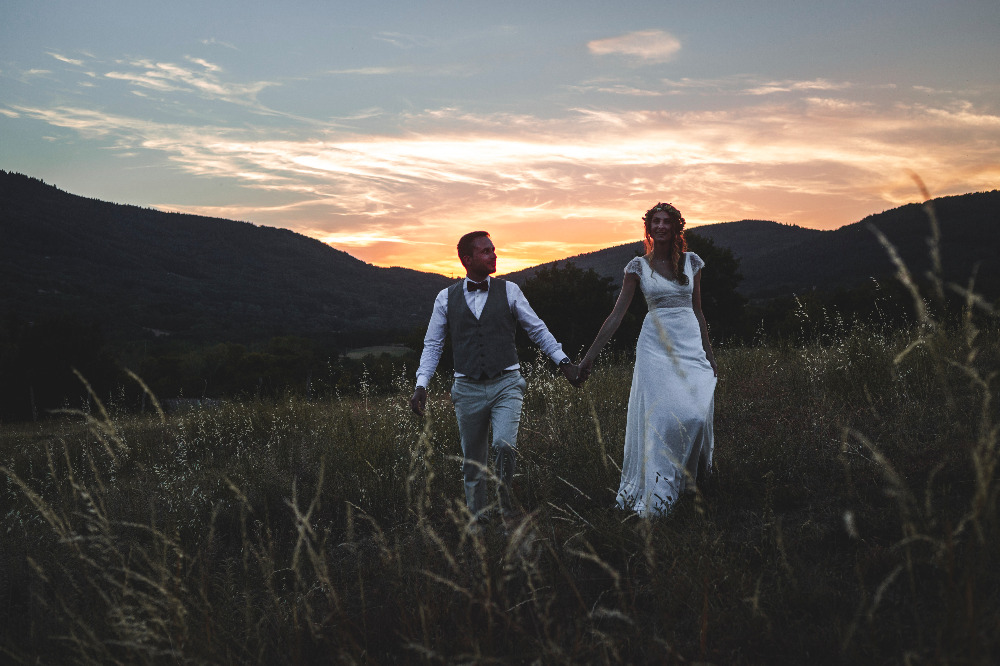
[[668, 432]]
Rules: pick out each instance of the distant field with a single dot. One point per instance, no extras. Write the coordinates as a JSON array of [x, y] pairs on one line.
[[393, 350]]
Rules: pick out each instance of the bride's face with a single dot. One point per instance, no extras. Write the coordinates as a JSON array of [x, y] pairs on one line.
[[660, 226]]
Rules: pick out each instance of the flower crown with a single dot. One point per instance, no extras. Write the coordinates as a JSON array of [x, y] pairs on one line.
[[664, 207], [667, 208]]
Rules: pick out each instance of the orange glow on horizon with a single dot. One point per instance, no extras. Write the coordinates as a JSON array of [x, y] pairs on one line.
[[523, 243], [548, 190], [392, 163]]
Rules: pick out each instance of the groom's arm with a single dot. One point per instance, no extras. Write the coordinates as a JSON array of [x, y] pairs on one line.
[[437, 328], [539, 332]]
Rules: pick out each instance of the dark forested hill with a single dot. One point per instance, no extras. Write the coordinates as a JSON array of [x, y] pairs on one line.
[[141, 272], [778, 259]]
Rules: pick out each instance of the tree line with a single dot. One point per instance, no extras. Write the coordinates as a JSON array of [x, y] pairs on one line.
[[64, 362], [37, 360]]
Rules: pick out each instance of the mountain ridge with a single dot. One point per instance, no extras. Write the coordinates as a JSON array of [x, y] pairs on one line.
[[778, 259], [145, 273], [139, 269]]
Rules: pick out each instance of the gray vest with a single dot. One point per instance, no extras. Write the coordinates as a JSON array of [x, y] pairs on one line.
[[483, 347]]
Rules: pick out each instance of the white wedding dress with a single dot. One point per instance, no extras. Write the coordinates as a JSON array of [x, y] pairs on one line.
[[668, 432]]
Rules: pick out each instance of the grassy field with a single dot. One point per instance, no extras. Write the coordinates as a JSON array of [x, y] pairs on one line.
[[852, 518]]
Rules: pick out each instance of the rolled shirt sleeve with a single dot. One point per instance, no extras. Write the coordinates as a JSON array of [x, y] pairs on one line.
[[437, 328]]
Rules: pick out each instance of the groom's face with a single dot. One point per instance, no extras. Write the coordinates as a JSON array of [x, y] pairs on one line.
[[484, 257]]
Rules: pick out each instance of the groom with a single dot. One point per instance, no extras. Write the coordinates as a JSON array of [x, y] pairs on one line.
[[480, 313]]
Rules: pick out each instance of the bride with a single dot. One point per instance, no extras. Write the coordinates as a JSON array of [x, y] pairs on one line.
[[668, 432]]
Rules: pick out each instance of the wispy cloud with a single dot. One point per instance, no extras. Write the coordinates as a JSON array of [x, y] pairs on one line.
[[404, 41], [813, 156], [374, 71], [613, 88], [62, 58], [159, 80], [201, 62], [202, 79], [363, 114], [212, 41], [772, 87], [459, 70], [701, 84], [748, 85], [92, 124], [649, 46]]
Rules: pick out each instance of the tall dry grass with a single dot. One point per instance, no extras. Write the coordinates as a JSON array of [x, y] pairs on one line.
[[852, 518]]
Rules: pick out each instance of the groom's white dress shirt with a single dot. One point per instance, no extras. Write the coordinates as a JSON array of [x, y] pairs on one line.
[[519, 307]]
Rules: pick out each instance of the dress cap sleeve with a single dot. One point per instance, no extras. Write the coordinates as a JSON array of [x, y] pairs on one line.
[[634, 266], [697, 263]]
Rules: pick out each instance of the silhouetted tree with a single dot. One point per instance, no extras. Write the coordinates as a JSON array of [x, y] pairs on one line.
[[723, 305], [37, 362], [572, 302]]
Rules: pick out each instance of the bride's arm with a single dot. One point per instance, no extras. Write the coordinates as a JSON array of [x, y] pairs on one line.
[[611, 324], [696, 305]]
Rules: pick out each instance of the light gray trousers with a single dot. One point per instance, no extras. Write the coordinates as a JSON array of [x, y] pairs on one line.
[[480, 404]]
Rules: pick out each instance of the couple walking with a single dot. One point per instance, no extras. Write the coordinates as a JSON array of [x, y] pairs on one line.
[[668, 434]]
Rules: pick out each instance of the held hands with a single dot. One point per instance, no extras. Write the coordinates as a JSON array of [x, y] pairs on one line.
[[577, 374], [571, 372]]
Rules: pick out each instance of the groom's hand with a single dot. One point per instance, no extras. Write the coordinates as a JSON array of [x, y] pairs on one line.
[[418, 403], [571, 372]]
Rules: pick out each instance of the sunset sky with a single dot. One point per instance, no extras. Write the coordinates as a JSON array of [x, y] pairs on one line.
[[388, 129]]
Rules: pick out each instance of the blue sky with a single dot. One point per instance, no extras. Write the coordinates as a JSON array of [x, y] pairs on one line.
[[388, 129]]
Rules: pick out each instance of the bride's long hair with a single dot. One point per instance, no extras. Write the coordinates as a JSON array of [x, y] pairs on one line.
[[678, 246]]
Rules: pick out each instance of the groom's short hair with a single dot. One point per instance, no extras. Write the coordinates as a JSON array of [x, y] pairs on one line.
[[465, 243]]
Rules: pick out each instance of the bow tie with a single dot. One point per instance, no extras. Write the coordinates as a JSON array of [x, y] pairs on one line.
[[478, 286]]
